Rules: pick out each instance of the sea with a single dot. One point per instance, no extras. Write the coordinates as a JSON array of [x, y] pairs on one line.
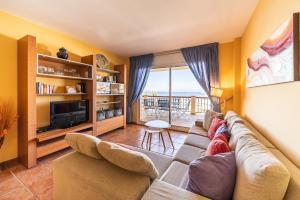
[[184, 94]]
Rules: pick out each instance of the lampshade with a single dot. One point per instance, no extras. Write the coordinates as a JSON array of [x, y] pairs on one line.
[[216, 92]]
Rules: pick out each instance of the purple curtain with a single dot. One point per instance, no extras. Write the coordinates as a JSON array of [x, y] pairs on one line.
[[139, 72], [203, 62]]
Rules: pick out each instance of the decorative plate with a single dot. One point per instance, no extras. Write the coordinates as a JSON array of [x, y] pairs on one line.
[[101, 61]]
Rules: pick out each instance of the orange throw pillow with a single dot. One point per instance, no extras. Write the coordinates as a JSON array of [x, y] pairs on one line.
[[217, 146], [215, 124]]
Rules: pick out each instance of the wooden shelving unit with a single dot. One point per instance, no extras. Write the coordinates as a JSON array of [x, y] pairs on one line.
[[112, 101], [33, 145]]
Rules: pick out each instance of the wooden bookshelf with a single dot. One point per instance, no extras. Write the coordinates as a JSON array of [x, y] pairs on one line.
[[33, 145], [32, 68]]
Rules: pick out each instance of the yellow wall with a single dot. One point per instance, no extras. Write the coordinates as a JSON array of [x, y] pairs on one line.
[[229, 53], [48, 42], [273, 109]]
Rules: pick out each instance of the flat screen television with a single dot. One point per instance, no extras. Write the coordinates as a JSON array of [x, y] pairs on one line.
[[65, 114]]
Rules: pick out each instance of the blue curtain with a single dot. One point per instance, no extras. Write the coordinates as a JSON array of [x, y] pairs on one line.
[[139, 72], [203, 62]]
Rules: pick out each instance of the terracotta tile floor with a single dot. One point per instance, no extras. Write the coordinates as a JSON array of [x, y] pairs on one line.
[[19, 183]]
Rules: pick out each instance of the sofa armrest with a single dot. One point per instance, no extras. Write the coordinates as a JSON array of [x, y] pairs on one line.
[[160, 190]]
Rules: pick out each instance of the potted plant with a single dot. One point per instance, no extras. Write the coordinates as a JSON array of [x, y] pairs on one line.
[[7, 118]]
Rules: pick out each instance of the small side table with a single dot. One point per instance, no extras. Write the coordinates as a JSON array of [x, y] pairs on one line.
[[156, 126]]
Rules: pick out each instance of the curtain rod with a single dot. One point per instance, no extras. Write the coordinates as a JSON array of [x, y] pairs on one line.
[[167, 52]]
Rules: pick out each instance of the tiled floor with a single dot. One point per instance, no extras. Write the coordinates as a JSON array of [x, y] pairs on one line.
[[19, 183]]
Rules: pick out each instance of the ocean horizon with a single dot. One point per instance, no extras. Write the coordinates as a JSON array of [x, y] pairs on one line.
[[184, 94]]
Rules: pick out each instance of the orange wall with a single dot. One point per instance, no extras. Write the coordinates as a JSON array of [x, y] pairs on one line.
[[48, 41], [229, 56], [273, 109]]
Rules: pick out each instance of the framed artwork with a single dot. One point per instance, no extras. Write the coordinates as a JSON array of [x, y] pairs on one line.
[[277, 59]]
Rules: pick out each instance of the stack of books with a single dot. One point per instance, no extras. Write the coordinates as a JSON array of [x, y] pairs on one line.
[[43, 88]]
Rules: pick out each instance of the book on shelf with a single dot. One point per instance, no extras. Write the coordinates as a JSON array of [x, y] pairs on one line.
[[43, 88]]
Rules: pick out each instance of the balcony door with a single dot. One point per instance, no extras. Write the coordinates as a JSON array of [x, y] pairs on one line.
[[173, 94]]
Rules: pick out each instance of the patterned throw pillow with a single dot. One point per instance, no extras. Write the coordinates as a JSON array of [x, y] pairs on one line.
[[223, 129]]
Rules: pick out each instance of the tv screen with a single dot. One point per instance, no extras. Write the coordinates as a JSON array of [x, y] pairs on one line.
[[61, 107], [68, 113]]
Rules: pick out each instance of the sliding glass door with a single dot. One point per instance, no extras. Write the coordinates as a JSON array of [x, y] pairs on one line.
[[172, 94], [154, 102]]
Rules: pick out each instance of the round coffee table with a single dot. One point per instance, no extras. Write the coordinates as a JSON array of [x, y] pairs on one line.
[[156, 126]]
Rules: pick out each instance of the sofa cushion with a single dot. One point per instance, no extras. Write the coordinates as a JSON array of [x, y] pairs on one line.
[[187, 154], [176, 174], [161, 162], [160, 190], [78, 177], [213, 176], [84, 143], [128, 159], [293, 191], [260, 174], [197, 141], [208, 117], [198, 131]]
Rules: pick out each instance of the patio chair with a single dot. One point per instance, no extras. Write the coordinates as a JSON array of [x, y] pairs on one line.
[[149, 107]]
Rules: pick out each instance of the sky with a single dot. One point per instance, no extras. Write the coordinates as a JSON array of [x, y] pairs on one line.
[[182, 81]]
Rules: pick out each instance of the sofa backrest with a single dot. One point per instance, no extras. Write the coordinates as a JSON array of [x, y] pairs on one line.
[[260, 175], [242, 130]]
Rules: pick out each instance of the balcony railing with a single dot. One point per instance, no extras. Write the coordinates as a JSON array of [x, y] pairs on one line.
[[191, 105]]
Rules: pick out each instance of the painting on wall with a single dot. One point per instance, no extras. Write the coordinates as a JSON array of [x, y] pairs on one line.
[[276, 60]]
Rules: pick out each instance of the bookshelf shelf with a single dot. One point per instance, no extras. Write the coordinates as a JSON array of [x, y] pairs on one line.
[[62, 94], [63, 61], [62, 76], [107, 70]]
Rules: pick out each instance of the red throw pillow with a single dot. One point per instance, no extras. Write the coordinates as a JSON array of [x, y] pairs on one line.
[[215, 124], [221, 136], [217, 146]]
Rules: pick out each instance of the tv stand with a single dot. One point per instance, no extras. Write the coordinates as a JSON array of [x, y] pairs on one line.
[[47, 141]]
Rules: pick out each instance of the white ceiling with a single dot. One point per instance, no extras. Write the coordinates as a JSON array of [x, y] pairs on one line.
[[134, 27]]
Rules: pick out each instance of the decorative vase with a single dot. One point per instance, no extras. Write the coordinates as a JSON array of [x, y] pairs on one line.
[[1, 141], [62, 53]]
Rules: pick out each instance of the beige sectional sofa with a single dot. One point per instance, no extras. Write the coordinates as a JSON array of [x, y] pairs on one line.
[[263, 172]]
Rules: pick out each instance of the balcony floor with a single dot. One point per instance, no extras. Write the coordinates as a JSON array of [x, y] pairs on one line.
[[178, 119]]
